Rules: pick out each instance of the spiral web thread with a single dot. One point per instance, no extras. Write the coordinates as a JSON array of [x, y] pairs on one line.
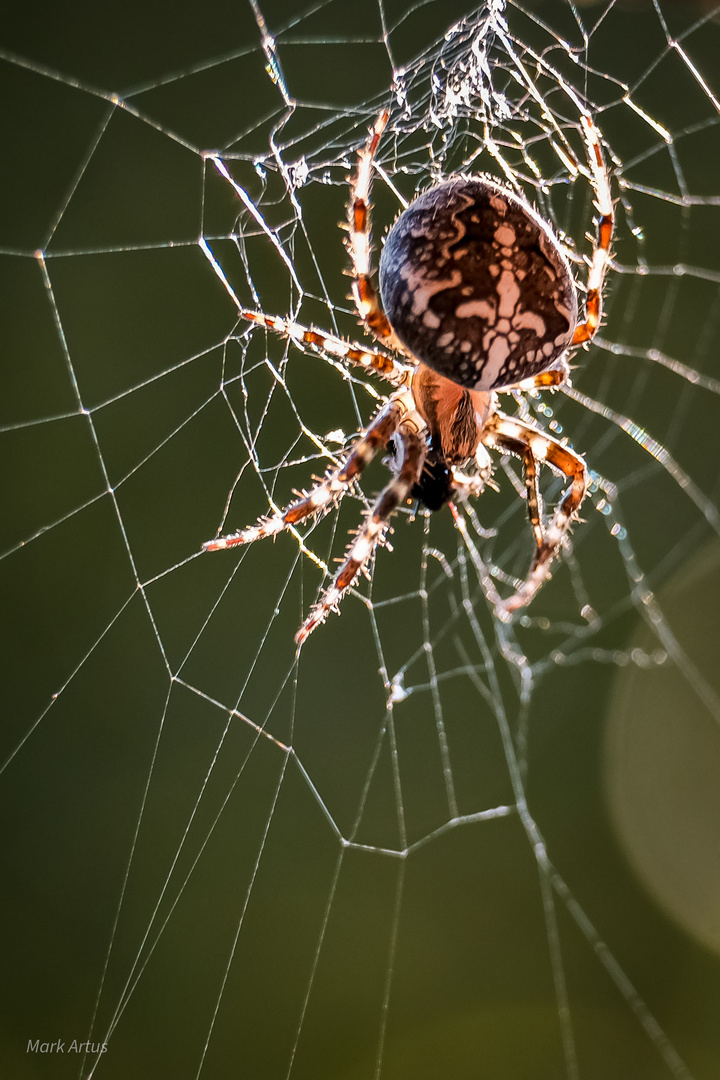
[[370, 731]]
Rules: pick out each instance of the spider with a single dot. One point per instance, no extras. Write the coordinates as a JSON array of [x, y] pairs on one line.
[[477, 297]]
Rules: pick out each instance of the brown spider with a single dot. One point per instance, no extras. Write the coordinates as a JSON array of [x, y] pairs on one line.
[[477, 297]]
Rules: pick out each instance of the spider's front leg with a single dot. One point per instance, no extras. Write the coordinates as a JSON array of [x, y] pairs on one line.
[[328, 490], [373, 528], [534, 447]]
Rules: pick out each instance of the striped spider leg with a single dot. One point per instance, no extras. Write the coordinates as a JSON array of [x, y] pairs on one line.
[[392, 369], [600, 257], [359, 244], [396, 418], [326, 492], [380, 363], [407, 470], [534, 447]]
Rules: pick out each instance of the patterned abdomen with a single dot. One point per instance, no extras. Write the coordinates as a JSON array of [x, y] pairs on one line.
[[476, 286]]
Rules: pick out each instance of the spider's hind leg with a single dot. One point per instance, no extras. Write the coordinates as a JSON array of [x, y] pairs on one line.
[[587, 329], [364, 294], [373, 528], [327, 491], [534, 447]]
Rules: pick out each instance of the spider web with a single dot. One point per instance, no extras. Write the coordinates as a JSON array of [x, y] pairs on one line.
[[429, 842]]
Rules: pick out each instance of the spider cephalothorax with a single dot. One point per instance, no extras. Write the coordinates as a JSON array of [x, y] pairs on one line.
[[477, 297]]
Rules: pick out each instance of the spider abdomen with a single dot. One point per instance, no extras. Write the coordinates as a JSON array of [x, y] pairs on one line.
[[476, 286]]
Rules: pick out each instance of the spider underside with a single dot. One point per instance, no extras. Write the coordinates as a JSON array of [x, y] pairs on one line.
[[477, 297]]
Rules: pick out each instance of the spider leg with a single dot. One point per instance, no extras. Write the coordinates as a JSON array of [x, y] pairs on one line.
[[373, 528], [546, 380], [328, 490], [586, 330], [364, 294], [393, 370], [534, 447]]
